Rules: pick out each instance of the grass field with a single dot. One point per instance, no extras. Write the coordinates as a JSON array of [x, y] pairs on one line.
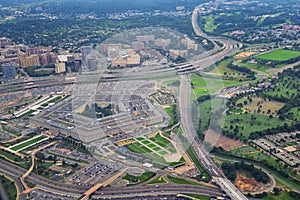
[[171, 111], [181, 181], [4, 127], [222, 68], [252, 153], [9, 187], [28, 143], [293, 114], [198, 196], [210, 25], [241, 125], [283, 195], [284, 90], [206, 108], [154, 148], [265, 106], [159, 180], [204, 86], [134, 180], [279, 55]]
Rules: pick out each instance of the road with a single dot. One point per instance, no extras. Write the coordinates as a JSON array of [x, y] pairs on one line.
[[186, 114], [77, 191]]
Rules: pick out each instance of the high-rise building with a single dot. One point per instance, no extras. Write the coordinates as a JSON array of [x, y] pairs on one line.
[[28, 61], [163, 43], [85, 51], [45, 59], [138, 45], [33, 51], [60, 67], [33, 60], [4, 42], [145, 38]]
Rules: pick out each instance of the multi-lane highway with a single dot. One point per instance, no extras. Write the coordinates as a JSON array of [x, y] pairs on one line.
[[77, 191], [186, 115], [229, 48]]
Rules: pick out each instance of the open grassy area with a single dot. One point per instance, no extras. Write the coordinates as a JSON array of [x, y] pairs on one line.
[[10, 156], [284, 89], [5, 128], [241, 125], [222, 68], [198, 164], [282, 195], [259, 105], [181, 181], [252, 153], [28, 143], [204, 86], [206, 108], [154, 148], [171, 111], [255, 66], [279, 55], [9, 187], [134, 180], [212, 83], [210, 25], [198, 196], [159, 180], [293, 114], [138, 148]]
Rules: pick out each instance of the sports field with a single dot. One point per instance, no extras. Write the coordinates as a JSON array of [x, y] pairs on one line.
[[279, 55]]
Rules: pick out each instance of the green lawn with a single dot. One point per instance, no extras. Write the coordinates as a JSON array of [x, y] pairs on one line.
[[283, 195], [206, 108], [198, 164], [210, 24], [283, 90], [4, 127], [151, 145], [222, 68], [134, 180], [293, 114], [159, 180], [161, 141], [198, 196], [252, 153], [138, 148], [9, 187], [146, 142], [279, 55], [204, 86], [181, 181], [28, 143], [241, 125], [10, 156], [171, 111]]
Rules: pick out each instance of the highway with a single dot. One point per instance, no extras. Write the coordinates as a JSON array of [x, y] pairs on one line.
[[77, 191], [186, 115], [230, 47]]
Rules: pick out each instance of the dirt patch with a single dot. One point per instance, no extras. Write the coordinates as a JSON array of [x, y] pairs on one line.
[[261, 106], [244, 55], [246, 184], [224, 142]]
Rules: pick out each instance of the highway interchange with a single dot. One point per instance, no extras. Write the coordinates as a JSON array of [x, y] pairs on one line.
[[230, 47]]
